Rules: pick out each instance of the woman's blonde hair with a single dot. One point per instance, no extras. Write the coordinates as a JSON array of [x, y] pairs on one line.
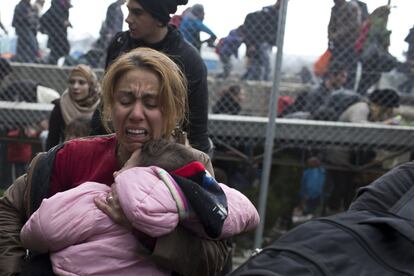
[[172, 96]]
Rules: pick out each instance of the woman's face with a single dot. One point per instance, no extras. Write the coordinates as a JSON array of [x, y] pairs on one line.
[[78, 88], [136, 113]]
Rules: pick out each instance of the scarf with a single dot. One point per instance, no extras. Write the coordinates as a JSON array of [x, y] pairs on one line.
[[72, 110]]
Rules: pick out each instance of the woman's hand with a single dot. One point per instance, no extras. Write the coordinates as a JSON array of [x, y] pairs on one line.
[[113, 209]]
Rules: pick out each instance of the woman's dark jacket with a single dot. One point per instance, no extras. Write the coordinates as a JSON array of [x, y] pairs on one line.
[[56, 126]]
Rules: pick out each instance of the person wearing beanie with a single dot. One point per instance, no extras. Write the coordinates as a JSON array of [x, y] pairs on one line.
[[79, 100], [154, 202], [148, 27], [192, 24], [379, 107]]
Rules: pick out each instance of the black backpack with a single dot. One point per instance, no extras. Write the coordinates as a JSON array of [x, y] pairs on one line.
[[335, 105], [351, 243]]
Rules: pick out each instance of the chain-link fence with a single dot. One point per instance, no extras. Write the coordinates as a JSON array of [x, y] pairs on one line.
[[327, 101]]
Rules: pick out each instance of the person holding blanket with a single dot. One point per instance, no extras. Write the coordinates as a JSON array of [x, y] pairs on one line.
[[154, 201], [144, 98]]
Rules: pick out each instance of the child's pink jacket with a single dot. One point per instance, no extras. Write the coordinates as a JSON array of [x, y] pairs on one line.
[[85, 241]]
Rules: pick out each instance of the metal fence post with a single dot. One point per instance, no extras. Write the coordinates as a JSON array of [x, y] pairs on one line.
[[271, 127]]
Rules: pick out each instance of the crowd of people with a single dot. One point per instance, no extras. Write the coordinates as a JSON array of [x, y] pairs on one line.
[[127, 167], [355, 36]]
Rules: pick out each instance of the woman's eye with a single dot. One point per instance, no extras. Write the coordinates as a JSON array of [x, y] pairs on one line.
[[151, 104], [125, 101]]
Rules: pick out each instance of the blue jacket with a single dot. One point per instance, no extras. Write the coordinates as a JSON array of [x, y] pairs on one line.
[[191, 27]]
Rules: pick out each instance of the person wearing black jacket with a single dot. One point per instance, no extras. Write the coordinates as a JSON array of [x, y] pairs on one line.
[[24, 22], [148, 27], [260, 32], [55, 23]]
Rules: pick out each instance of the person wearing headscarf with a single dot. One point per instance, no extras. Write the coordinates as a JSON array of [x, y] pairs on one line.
[[79, 100]]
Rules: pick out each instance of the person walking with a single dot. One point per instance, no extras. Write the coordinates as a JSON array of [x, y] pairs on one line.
[[55, 23], [192, 24], [112, 25], [260, 32], [343, 31], [25, 24]]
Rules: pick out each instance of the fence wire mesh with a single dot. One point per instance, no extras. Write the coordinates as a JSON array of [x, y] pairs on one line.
[[356, 80]]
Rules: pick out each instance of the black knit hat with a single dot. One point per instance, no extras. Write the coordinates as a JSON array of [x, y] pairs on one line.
[[161, 9], [385, 97]]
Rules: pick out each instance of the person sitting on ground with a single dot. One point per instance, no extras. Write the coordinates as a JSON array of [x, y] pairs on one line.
[[153, 200], [308, 102], [230, 100]]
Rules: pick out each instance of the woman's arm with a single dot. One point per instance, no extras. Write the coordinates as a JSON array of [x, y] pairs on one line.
[[12, 217], [65, 219]]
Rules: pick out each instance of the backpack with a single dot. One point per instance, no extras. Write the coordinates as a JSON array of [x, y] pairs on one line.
[[46, 22], [335, 105], [176, 20], [357, 242]]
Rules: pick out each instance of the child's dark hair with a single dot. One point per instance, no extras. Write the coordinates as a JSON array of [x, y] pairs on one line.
[[165, 154], [79, 127]]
